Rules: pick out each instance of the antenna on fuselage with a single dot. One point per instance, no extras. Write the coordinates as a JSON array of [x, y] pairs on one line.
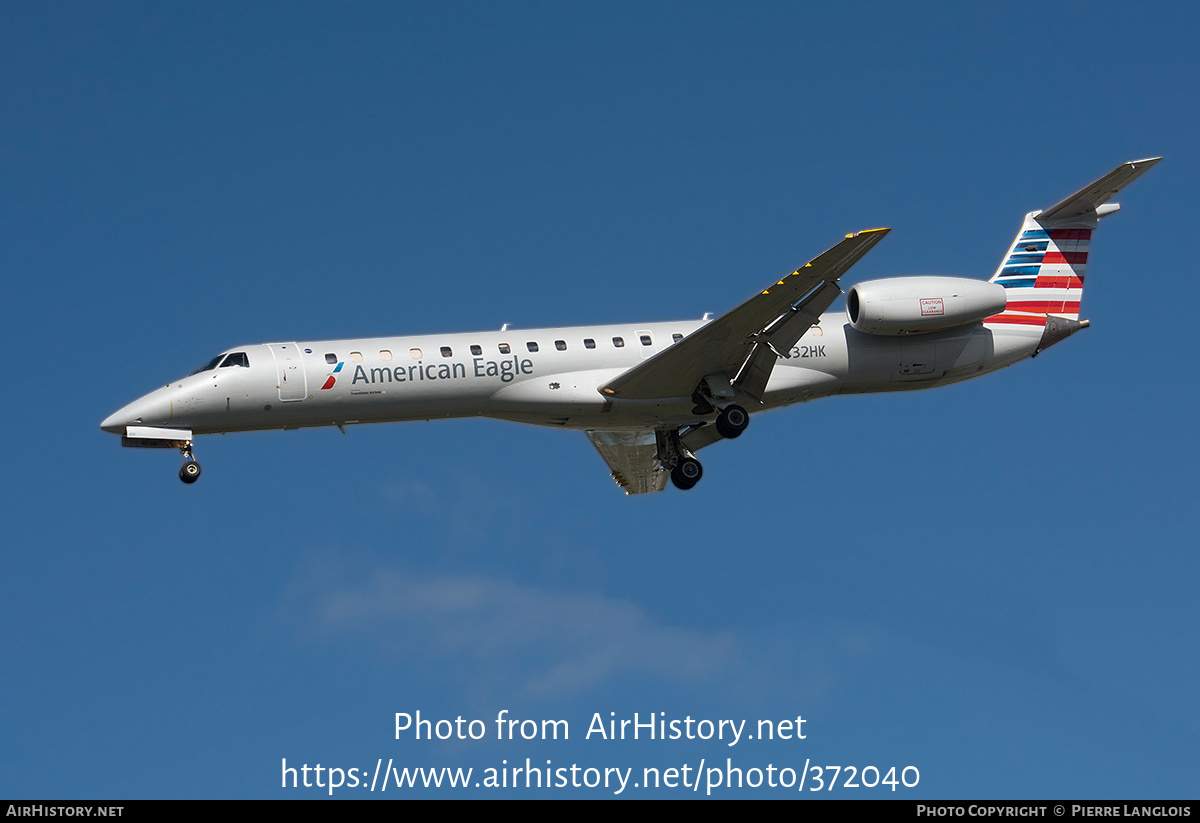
[[504, 327]]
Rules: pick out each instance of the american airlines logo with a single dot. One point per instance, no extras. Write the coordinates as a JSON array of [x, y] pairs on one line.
[[332, 377]]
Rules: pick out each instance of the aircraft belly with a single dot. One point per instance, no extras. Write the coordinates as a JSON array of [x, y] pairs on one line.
[[1011, 345], [795, 384], [555, 399], [620, 417]]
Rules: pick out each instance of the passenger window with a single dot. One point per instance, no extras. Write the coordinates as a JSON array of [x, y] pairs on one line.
[[476, 350], [331, 359], [619, 342], [504, 349], [646, 340], [446, 352], [356, 357], [589, 343], [531, 346], [384, 354], [415, 354], [561, 345], [675, 338]]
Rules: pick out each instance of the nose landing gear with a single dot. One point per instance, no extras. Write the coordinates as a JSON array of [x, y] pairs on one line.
[[190, 472]]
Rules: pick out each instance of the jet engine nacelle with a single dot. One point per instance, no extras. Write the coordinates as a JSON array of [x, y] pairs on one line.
[[914, 305]]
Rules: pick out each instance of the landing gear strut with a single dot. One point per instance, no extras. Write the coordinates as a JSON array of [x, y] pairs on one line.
[[685, 468], [190, 472]]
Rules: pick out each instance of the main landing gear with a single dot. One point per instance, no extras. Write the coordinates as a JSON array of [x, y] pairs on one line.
[[732, 421], [687, 473], [190, 472], [686, 470]]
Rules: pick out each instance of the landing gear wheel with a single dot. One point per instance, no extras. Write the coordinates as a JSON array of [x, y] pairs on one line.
[[687, 473], [190, 472], [732, 421]]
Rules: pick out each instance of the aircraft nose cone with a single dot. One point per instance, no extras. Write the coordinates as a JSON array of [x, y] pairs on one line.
[[114, 423], [155, 409]]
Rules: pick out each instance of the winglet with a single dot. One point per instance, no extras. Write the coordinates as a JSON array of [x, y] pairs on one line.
[[1090, 198]]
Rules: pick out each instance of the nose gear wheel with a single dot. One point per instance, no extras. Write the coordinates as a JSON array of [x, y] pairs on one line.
[[190, 472]]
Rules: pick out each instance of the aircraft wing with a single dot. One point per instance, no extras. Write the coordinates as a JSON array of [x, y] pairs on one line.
[[744, 344]]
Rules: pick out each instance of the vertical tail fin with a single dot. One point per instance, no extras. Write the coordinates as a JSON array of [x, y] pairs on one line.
[[1044, 269]]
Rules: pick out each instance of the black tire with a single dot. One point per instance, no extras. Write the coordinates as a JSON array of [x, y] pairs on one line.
[[732, 421], [687, 473], [190, 472]]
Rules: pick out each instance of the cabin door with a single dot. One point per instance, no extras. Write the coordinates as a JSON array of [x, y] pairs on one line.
[[289, 371]]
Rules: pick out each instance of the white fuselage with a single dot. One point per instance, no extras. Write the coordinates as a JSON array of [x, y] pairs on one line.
[[543, 376]]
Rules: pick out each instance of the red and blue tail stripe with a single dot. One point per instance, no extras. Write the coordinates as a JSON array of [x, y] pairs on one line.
[[1043, 274]]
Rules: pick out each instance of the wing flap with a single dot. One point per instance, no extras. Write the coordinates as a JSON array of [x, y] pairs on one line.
[[633, 458], [777, 341]]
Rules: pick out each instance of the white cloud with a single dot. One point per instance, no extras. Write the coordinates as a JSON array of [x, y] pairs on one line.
[[542, 643]]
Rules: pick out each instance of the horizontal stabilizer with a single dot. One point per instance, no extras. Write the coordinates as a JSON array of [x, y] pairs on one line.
[[1087, 200]]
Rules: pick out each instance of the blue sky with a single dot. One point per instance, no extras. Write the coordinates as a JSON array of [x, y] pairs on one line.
[[993, 582]]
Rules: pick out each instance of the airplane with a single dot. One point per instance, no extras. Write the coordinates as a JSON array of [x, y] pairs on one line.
[[651, 395]]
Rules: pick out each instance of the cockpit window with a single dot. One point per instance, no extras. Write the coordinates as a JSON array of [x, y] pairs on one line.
[[238, 358], [210, 365]]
